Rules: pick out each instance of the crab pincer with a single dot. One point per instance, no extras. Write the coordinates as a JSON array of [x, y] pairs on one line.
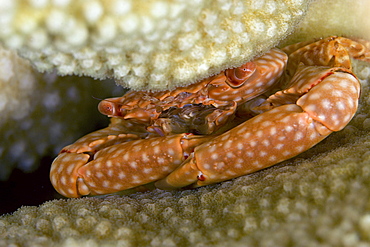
[[279, 133], [121, 166]]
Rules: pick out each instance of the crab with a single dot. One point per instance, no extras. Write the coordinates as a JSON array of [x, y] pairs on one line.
[[228, 125]]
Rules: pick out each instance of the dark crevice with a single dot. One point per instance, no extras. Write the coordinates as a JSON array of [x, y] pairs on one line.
[[27, 189]]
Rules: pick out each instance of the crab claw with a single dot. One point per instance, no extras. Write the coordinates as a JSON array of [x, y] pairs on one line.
[[325, 100], [260, 142], [64, 174], [121, 166]]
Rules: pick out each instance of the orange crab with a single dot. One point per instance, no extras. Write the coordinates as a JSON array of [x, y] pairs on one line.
[[231, 124]]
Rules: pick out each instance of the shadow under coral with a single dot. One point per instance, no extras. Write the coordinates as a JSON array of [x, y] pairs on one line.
[[27, 189]]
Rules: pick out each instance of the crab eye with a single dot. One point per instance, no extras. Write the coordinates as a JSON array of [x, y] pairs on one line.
[[237, 76], [106, 108]]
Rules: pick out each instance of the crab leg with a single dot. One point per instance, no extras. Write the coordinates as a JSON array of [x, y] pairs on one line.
[[327, 101], [121, 166]]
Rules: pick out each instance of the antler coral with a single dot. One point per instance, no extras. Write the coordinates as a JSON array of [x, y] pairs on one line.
[[145, 44]]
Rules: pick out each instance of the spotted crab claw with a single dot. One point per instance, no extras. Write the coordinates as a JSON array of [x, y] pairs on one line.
[[121, 166], [319, 100]]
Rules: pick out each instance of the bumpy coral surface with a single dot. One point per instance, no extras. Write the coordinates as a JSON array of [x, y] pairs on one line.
[[145, 44], [334, 17], [41, 112], [320, 198]]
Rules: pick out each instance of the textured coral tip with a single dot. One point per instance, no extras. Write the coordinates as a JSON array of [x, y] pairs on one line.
[[238, 76]]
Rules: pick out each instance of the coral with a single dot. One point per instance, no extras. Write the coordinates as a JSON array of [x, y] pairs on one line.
[[42, 107], [145, 44], [320, 198], [333, 17]]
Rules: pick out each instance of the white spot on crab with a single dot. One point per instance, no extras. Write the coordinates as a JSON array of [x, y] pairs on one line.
[[288, 128], [285, 119], [272, 158], [110, 173], [240, 146], [247, 135], [266, 124], [230, 155], [337, 93], [326, 104], [214, 156], [109, 163], [231, 173], [97, 165], [213, 148], [228, 144], [117, 186], [238, 166], [322, 117], [225, 137], [133, 164], [71, 191], [206, 166], [63, 180], [298, 136], [315, 96], [145, 158], [106, 184], [219, 165], [70, 168], [126, 157], [171, 152], [279, 146], [155, 143], [157, 149], [166, 169], [266, 143], [340, 105], [84, 187], [170, 142], [136, 180], [310, 108], [147, 170], [256, 163], [313, 136], [121, 175], [281, 138], [259, 133]]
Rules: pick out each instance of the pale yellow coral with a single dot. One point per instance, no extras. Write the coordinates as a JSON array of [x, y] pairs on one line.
[[333, 17], [145, 44], [320, 198]]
